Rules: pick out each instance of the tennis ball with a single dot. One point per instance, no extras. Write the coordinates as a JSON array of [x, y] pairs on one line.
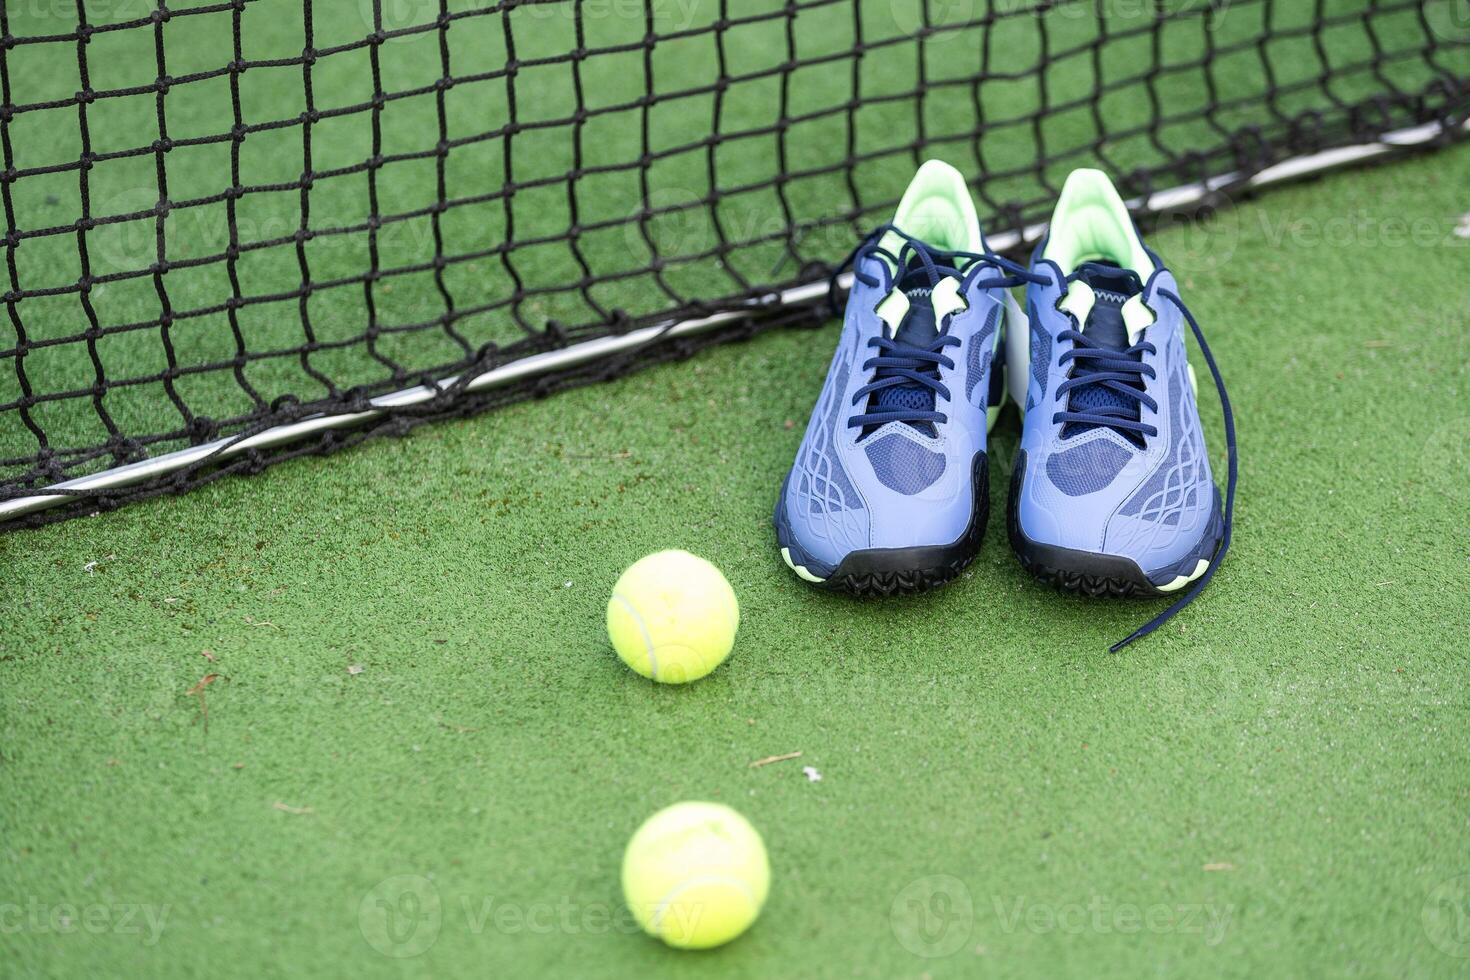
[[672, 617], [695, 875]]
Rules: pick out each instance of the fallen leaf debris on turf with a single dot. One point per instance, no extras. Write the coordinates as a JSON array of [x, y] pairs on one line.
[[197, 691]]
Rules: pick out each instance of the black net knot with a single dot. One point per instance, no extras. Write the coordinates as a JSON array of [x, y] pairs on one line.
[[357, 399], [1251, 149], [125, 450], [814, 270], [1369, 120], [1139, 182], [49, 464], [1304, 136], [202, 429], [161, 16], [620, 322]]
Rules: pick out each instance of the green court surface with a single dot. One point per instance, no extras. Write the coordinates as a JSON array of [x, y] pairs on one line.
[[416, 717]]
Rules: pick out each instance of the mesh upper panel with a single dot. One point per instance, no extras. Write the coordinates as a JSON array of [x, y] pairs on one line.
[[1040, 351], [977, 359], [903, 465], [1086, 468]]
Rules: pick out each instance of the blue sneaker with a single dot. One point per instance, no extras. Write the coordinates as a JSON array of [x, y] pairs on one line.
[[1112, 492], [890, 492]]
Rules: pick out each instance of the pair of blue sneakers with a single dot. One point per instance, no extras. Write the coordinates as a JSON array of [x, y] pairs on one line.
[[1111, 492]]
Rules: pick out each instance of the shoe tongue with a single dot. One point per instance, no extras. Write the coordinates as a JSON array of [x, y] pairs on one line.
[[1111, 288], [920, 328]]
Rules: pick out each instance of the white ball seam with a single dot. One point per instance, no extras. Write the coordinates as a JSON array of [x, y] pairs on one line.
[[642, 631]]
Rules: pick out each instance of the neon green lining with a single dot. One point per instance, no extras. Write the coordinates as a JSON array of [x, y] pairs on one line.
[[938, 210], [1091, 222]]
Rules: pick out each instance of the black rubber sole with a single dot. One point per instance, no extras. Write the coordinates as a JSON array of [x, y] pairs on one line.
[[904, 571], [1083, 572]]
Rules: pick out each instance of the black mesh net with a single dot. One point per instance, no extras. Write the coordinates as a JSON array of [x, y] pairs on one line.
[[226, 217]]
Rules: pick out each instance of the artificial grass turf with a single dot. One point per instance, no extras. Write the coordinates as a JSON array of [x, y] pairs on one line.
[[1282, 770], [720, 159]]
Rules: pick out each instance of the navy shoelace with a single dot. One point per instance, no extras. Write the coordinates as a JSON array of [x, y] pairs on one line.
[[1105, 388], [1232, 468], [900, 363], [1119, 372]]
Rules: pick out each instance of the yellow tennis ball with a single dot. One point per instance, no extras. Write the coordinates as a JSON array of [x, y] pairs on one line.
[[672, 617], [695, 875]]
